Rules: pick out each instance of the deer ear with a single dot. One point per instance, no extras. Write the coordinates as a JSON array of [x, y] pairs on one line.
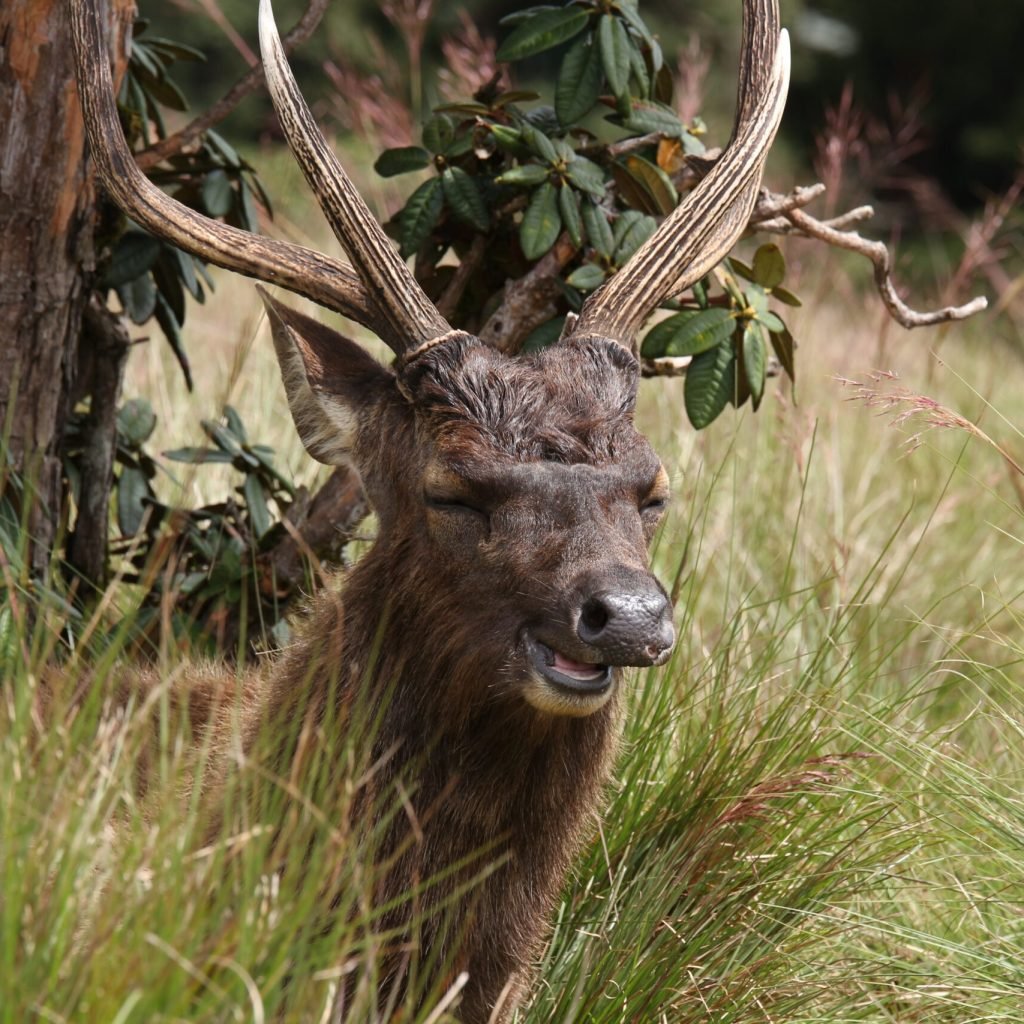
[[330, 381]]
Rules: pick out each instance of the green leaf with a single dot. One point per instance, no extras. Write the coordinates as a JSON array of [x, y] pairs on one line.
[[510, 139], [587, 277], [586, 176], [541, 222], [569, 207], [632, 229], [598, 229], [539, 143], [769, 266], [463, 196], [615, 47], [709, 384], [138, 297], [517, 17], [785, 296], [771, 321], [524, 174], [754, 361], [420, 215], [689, 333], [651, 116], [543, 336], [657, 338], [401, 160], [134, 254], [132, 491], [136, 421], [198, 456], [785, 348], [219, 144], [256, 503], [439, 133], [579, 82], [543, 30], [700, 292], [218, 195], [235, 424]]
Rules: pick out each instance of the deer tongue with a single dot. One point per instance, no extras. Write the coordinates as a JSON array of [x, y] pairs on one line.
[[576, 669]]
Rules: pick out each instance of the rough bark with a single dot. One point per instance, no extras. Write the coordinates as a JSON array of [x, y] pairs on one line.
[[47, 208]]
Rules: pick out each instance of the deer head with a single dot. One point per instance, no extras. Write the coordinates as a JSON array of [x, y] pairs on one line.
[[514, 492]]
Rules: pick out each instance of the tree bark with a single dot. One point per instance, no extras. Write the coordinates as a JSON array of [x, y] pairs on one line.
[[47, 254]]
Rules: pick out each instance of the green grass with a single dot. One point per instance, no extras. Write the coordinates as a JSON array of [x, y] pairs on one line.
[[817, 814]]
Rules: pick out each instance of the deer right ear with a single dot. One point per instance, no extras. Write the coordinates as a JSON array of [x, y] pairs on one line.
[[328, 378]]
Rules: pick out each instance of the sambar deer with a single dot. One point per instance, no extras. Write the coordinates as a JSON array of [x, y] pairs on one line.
[[508, 585]]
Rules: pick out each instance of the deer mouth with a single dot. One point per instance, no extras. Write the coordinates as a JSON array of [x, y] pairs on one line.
[[564, 685]]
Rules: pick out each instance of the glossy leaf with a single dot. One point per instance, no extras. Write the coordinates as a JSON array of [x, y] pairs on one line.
[[615, 47], [689, 333], [438, 133], [569, 208], [198, 456], [134, 254], [256, 504], [709, 384], [754, 361], [218, 195], [783, 295], [541, 222], [539, 143], [771, 321], [587, 277], [524, 174], [138, 297], [646, 116], [463, 196], [579, 82], [136, 421], [132, 491], [420, 215], [599, 231], [785, 349], [769, 266], [171, 327], [541, 31], [632, 229], [401, 161], [586, 176]]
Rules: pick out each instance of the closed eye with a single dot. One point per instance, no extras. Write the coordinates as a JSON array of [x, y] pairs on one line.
[[447, 503]]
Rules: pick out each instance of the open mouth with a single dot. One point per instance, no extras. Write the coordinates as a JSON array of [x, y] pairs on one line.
[[578, 677]]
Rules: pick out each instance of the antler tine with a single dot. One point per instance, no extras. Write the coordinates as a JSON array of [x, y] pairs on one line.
[[402, 302], [706, 225], [326, 281]]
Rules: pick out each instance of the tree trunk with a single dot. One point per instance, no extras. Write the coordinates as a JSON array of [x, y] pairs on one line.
[[47, 213]]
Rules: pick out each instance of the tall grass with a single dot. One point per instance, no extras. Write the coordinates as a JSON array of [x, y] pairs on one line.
[[817, 813]]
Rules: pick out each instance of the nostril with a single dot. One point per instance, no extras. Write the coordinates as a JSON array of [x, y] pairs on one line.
[[593, 618]]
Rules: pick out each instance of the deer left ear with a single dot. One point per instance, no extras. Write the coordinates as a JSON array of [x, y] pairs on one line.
[[331, 383]]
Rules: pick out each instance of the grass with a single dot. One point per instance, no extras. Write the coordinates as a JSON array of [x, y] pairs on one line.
[[817, 815]]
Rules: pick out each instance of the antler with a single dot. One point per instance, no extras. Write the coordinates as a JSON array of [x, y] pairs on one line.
[[327, 281], [706, 225], [403, 303]]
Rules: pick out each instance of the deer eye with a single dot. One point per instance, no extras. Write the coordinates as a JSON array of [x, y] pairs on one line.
[[453, 504]]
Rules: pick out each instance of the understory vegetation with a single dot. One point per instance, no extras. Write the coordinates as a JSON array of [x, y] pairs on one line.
[[817, 813]]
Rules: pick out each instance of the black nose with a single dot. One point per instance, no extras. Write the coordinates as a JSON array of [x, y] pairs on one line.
[[628, 624]]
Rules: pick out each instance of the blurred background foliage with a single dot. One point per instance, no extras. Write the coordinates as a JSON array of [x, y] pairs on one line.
[[942, 81]]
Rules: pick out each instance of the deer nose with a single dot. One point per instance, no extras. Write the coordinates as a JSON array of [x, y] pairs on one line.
[[628, 625]]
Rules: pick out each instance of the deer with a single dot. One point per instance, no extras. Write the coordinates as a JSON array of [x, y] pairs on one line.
[[509, 587]]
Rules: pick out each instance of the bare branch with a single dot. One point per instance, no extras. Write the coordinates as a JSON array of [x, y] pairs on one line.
[[468, 266], [245, 86], [879, 256], [781, 226], [530, 300], [771, 204]]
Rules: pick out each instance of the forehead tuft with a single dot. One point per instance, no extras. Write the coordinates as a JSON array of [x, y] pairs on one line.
[[572, 402]]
